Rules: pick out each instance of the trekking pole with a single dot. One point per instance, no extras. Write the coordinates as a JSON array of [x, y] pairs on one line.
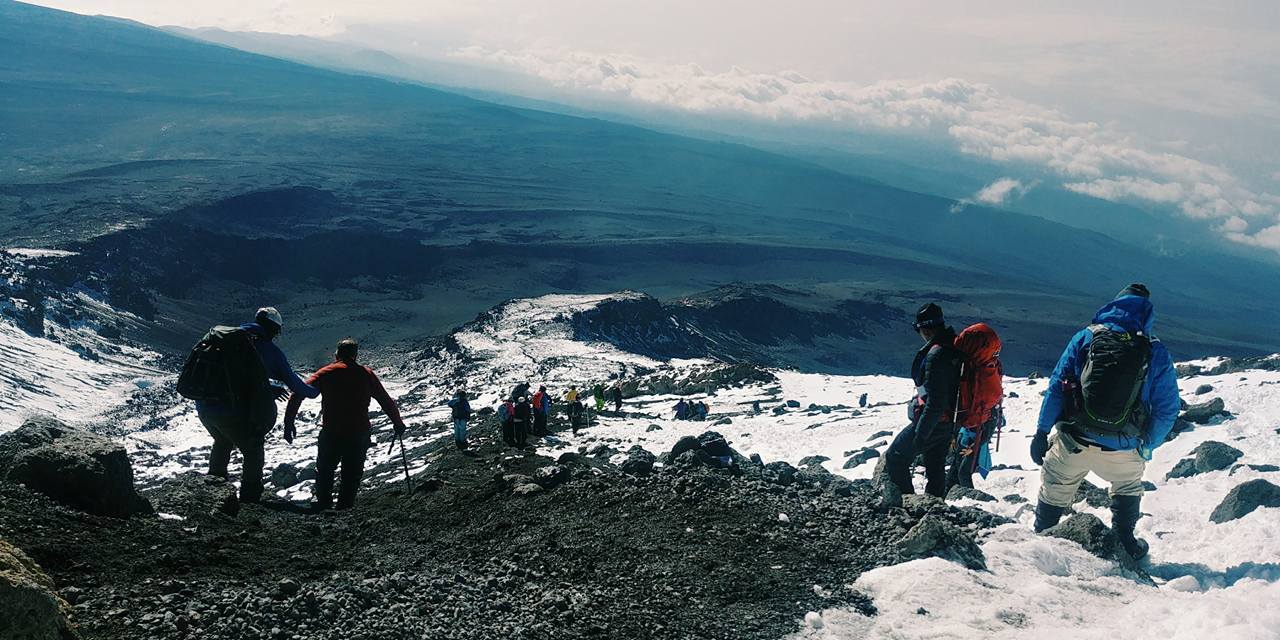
[[404, 459]]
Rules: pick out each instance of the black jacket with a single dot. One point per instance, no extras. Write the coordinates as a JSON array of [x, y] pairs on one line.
[[936, 372]]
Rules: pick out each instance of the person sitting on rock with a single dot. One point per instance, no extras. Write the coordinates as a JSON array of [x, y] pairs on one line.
[[245, 428], [700, 410], [346, 388], [1112, 399], [682, 410]]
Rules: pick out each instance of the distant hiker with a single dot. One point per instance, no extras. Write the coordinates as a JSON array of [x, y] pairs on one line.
[[700, 410], [978, 410], [461, 413], [617, 396], [507, 416], [597, 393], [682, 410], [862, 400], [575, 408], [1112, 400], [520, 391], [755, 406], [235, 375], [936, 373], [346, 389], [541, 407], [522, 417]]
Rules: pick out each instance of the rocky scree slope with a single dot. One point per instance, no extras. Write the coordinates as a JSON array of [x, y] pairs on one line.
[[488, 545]]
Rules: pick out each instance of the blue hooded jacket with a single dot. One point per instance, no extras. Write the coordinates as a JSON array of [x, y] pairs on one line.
[[1159, 394]]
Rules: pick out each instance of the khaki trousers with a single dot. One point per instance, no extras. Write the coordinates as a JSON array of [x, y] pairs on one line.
[[1068, 462]]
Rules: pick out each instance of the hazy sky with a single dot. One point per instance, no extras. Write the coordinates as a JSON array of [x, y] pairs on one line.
[[1162, 102]]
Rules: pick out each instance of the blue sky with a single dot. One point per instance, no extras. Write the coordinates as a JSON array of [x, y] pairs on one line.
[[1166, 104]]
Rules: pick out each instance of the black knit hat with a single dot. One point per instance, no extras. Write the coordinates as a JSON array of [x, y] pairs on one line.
[[930, 315], [1135, 289]]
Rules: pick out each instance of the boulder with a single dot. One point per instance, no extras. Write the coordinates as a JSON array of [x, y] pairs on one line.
[[1203, 389], [779, 473], [794, 404], [1093, 495], [861, 457], [813, 461], [1205, 412], [1215, 456], [1086, 530], [880, 434], [890, 494], [73, 466], [639, 462], [921, 504], [1244, 499], [1260, 468], [1185, 468], [527, 489], [284, 475], [29, 606], [551, 476], [934, 536], [653, 427], [195, 495], [958, 492], [687, 443], [715, 445]]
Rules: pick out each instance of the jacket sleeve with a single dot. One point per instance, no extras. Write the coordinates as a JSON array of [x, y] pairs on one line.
[[941, 375], [384, 399], [278, 368], [1165, 401], [1068, 369], [295, 400]]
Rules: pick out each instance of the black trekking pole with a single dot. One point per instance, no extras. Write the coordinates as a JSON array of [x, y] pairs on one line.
[[404, 459]]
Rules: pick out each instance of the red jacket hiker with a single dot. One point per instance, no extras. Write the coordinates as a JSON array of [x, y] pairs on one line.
[[346, 390]]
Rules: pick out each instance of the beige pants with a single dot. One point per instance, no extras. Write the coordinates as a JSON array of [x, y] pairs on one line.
[[1068, 462]]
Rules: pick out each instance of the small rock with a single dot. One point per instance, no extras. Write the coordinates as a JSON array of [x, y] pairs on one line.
[[1244, 499], [1086, 530], [1203, 389], [1185, 468], [958, 492], [1014, 498], [1215, 456], [794, 404], [528, 489], [284, 476], [934, 536], [1148, 486], [1260, 468], [551, 476], [651, 428], [288, 587], [809, 461], [1204, 413]]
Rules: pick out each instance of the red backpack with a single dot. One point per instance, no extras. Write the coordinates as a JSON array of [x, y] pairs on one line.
[[981, 387]]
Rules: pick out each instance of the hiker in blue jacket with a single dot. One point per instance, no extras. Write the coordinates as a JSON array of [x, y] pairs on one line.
[[460, 410], [245, 428], [1117, 450]]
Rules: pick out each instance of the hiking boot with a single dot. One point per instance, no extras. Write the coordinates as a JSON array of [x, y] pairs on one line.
[[1124, 517], [1047, 515]]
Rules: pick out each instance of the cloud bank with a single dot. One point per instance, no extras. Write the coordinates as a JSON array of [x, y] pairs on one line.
[[1087, 157]]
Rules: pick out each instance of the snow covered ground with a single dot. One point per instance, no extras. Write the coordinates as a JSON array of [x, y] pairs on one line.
[[1213, 580]]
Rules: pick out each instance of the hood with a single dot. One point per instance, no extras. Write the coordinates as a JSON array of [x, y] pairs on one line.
[[1132, 313]]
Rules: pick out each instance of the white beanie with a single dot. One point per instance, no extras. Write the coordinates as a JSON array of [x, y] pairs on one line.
[[271, 314]]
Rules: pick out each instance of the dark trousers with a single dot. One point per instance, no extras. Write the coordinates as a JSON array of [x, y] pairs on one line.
[[509, 432], [539, 424], [617, 404], [901, 456], [963, 466], [336, 448], [520, 432], [231, 431]]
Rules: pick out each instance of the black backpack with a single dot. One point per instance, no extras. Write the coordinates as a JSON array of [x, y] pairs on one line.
[[224, 367], [1111, 381]]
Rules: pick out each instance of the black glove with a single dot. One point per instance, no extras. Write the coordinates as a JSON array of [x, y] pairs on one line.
[[399, 430], [281, 393], [1039, 447], [290, 432]]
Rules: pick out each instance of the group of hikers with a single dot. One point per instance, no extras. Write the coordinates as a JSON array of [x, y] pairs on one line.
[[690, 410], [1111, 401]]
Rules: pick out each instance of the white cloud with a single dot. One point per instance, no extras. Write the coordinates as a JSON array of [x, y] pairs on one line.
[[998, 192], [1090, 158]]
